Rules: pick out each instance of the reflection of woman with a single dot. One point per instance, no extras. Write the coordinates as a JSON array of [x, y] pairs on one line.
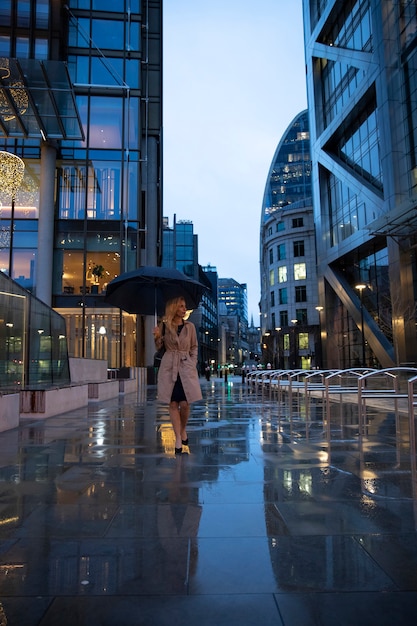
[[178, 519], [178, 383]]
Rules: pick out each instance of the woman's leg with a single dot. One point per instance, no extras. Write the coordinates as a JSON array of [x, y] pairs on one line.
[[174, 414], [184, 415]]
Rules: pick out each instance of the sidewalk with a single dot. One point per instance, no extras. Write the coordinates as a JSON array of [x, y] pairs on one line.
[[263, 521]]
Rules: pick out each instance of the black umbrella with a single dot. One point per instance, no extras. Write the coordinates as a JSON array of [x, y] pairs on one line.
[[146, 290]]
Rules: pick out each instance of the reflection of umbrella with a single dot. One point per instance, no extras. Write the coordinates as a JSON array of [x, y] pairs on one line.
[[146, 290]]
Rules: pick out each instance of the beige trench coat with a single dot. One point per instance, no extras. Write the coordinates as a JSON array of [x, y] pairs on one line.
[[180, 358]]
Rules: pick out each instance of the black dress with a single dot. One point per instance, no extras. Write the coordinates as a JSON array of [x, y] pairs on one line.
[[178, 394]]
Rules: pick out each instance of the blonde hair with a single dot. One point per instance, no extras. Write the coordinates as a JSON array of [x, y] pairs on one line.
[[170, 311]]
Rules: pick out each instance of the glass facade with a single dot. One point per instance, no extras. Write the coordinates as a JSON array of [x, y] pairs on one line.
[[181, 248], [33, 342], [289, 176], [106, 200], [362, 104]]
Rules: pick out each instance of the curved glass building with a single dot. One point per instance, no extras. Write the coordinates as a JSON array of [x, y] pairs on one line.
[[289, 317], [289, 176]]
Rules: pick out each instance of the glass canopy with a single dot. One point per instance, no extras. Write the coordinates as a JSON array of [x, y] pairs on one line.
[[37, 100]]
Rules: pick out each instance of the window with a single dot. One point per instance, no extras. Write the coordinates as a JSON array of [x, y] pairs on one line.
[[5, 13], [273, 320], [299, 248], [41, 48], [303, 341], [271, 277], [298, 222], [22, 47], [301, 294], [111, 5], [281, 252], [271, 256], [272, 298], [23, 13], [99, 187], [108, 34], [42, 14], [269, 231], [282, 274], [106, 119], [4, 43], [300, 272], [301, 315], [286, 341], [280, 226], [283, 299], [283, 318]]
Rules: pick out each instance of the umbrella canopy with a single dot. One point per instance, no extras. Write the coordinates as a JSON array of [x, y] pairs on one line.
[[146, 290]]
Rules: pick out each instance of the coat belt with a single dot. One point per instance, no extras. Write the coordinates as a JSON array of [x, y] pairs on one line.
[[177, 356]]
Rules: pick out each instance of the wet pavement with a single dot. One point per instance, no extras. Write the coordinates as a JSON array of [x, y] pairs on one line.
[[267, 517]]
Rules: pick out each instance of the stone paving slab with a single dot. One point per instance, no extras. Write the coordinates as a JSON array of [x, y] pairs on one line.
[[270, 515]]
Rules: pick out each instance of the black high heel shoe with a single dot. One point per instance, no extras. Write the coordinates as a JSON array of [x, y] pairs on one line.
[[185, 442], [178, 450]]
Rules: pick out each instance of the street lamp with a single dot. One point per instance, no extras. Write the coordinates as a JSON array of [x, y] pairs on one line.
[[293, 351], [360, 288], [277, 347], [319, 360]]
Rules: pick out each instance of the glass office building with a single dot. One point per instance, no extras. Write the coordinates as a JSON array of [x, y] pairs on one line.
[[361, 83], [232, 299], [289, 297], [80, 104], [33, 342]]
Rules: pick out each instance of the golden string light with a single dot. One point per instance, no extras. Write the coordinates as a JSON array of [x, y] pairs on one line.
[[12, 169]]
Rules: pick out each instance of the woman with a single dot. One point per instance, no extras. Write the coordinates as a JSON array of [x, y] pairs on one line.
[[178, 383]]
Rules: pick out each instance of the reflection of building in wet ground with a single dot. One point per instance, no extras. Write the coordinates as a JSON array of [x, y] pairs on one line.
[[268, 517]]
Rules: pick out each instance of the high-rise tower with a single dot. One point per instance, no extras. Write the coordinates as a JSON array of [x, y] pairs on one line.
[[361, 81], [80, 103]]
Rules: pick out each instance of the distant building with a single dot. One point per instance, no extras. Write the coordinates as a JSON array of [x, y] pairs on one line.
[[254, 343], [233, 321], [180, 247], [289, 296], [235, 297], [361, 60]]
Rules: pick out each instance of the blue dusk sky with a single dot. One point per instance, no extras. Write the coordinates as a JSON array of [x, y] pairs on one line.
[[234, 79]]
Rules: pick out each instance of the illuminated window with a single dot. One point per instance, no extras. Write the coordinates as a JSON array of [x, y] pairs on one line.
[[300, 272], [271, 277], [282, 274], [303, 341], [286, 341]]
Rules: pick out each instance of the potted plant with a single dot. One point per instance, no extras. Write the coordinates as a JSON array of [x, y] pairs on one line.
[[97, 272]]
